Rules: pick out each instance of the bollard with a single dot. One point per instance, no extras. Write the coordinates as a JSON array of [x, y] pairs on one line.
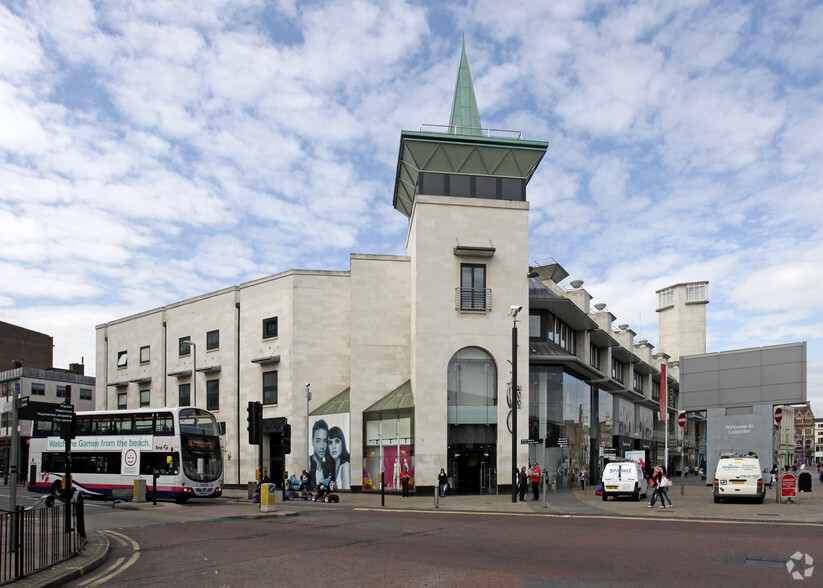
[[268, 491], [437, 496]]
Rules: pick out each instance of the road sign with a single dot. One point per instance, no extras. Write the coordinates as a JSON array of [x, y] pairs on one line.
[[778, 415], [681, 419], [563, 442], [531, 441]]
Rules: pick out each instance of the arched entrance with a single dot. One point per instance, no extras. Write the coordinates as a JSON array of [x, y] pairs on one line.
[[472, 421]]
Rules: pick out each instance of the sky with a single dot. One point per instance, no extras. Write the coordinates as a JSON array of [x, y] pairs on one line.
[[152, 151]]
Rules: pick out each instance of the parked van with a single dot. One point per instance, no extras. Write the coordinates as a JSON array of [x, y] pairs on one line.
[[739, 476], [624, 478]]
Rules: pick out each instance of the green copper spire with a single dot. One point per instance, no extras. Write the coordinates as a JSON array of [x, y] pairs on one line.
[[465, 119]]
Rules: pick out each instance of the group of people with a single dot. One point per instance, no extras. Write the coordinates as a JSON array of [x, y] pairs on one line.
[[330, 457], [523, 478]]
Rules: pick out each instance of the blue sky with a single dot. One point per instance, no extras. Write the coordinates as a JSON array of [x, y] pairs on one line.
[[151, 151]]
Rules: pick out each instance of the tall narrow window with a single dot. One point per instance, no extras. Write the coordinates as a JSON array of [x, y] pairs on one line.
[[145, 354], [145, 398], [213, 340], [472, 286], [184, 395], [182, 347], [270, 387], [213, 395], [122, 359], [122, 403]]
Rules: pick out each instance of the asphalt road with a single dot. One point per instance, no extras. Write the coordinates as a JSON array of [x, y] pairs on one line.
[[370, 547]]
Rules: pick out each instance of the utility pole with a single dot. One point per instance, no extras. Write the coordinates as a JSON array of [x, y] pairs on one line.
[[515, 310]]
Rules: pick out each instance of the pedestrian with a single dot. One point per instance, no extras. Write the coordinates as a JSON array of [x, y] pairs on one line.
[[443, 482], [584, 476], [265, 479], [535, 475], [522, 482], [663, 492], [654, 482], [405, 478], [686, 472]]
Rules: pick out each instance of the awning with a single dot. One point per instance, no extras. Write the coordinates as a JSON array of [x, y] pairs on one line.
[[267, 359], [338, 404], [179, 374], [209, 369], [146, 380], [118, 384], [399, 398]]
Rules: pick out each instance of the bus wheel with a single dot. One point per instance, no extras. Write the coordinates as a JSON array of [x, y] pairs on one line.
[[182, 499], [57, 488]]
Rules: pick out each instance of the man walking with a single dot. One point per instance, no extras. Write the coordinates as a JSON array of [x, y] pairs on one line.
[[535, 475]]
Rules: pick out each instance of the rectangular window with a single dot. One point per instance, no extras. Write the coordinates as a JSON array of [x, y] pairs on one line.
[[472, 286], [38, 389], [594, 356], [665, 298], [617, 370], [122, 403], [182, 347], [213, 395], [638, 381], [61, 391], [184, 395], [534, 326], [122, 359], [270, 387], [695, 292], [485, 187], [145, 354], [270, 327], [511, 189], [85, 393], [213, 340], [145, 398], [460, 186], [432, 184]]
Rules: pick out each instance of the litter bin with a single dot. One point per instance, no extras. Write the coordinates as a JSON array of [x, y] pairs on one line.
[[252, 489]]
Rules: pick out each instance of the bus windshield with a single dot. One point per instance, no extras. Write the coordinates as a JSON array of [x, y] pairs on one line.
[[195, 421]]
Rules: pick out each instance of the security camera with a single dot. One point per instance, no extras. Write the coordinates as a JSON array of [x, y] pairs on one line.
[[516, 309]]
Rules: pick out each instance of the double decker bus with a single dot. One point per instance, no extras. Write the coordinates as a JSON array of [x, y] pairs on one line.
[[112, 449]]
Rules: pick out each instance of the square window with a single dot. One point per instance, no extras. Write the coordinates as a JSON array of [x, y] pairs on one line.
[[38, 389], [485, 187], [145, 398], [183, 348], [122, 359], [213, 340], [213, 395], [145, 354], [511, 189], [85, 393], [184, 395], [270, 327], [122, 403], [270, 387], [460, 186]]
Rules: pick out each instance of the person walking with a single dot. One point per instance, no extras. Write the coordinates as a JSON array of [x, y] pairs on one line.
[[663, 492], [535, 475], [443, 482], [523, 481], [584, 477], [654, 482], [686, 473]]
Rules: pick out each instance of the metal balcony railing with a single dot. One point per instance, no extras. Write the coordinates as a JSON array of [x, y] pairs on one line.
[[473, 299]]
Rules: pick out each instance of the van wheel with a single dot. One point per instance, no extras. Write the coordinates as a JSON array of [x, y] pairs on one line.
[[717, 500], [636, 495], [605, 498], [760, 499]]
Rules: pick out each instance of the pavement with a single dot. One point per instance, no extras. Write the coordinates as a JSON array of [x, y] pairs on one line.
[[691, 500]]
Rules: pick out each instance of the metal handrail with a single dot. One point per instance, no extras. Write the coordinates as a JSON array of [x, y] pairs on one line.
[[483, 132], [473, 299]]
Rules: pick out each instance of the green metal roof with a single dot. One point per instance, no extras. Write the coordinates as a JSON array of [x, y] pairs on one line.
[[400, 397], [461, 154], [338, 404], [465, 115]]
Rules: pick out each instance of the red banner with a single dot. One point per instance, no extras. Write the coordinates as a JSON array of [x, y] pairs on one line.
[[663, 388]]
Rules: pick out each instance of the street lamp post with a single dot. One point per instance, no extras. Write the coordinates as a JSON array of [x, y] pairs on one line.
[[308, 450], [515, 310], [193, 372]]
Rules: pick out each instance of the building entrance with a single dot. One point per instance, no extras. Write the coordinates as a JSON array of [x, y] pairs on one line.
[[473, 468]]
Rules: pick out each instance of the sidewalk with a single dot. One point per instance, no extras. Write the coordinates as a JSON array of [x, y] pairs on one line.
[[695, 503]]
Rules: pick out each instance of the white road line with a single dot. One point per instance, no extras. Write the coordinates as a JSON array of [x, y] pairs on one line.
[[120, 564]]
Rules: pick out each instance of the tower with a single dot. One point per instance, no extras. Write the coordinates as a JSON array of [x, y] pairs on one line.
[[682, 319], [463, 188]]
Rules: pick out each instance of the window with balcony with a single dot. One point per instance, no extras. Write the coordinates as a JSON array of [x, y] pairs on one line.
[[473, 294]]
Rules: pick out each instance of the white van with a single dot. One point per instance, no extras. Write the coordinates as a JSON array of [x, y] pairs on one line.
[[624, 478], [738, 476]]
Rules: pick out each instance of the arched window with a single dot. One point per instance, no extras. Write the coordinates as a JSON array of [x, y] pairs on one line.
[[472, 387]]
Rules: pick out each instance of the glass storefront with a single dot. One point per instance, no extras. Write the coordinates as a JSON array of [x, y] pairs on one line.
[[560, 411]]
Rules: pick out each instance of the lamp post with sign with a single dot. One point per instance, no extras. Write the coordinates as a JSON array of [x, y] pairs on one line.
[[681, 420]]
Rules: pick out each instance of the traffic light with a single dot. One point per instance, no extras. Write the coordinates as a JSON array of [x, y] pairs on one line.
[[286, 439], [255, 419]]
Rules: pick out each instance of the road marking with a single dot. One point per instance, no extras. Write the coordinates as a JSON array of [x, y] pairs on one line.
[[119, 565]]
